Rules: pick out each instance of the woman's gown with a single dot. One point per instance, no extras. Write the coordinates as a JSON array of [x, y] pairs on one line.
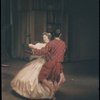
[[26, 82]]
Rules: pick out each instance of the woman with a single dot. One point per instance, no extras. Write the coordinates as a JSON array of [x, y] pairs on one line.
[[26, 81]]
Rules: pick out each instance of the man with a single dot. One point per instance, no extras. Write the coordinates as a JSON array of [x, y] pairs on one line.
[[54, 55]]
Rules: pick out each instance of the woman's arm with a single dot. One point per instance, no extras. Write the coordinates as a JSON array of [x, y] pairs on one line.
[[43, 51], [31, 46], [37, 45]]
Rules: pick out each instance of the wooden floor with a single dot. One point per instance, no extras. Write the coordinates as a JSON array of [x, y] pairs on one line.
[[82, 80]]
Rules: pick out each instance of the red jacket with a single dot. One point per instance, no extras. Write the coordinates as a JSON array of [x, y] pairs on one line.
[[54, 50], [54, 53]]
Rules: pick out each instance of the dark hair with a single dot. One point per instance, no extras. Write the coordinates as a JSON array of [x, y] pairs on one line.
[[56, 33]]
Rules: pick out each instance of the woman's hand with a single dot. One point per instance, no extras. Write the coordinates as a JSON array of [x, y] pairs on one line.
[[31, 46]]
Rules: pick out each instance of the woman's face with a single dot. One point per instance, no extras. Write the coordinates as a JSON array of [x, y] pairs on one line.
[[45, 39]]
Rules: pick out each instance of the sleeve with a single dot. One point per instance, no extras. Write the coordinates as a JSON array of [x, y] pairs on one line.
[[42, 51]]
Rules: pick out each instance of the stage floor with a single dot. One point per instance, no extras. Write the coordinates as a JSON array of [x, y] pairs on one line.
[[82, 80]]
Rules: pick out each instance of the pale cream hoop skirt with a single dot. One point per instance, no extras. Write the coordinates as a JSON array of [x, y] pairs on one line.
[[26, 82]]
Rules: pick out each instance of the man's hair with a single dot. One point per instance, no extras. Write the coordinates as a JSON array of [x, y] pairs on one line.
[[47, 34], [57, 33]]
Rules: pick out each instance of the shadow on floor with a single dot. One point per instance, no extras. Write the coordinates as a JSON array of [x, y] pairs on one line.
[[63, 96], [23, 98]]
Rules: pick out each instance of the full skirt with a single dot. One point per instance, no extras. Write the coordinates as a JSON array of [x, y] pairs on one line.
[[26, 81]]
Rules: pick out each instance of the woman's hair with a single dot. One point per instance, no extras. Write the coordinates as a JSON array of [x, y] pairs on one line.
[[47, 34]]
